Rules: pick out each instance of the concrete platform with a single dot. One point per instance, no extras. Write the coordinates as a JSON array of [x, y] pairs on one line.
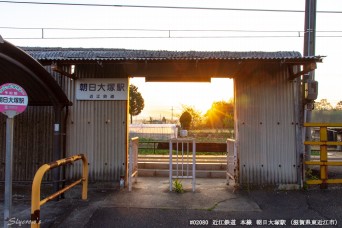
[[210, 194], [151, 204]]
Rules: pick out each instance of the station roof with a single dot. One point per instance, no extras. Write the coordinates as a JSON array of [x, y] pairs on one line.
[[171, 66], [74, 55], [16, 66]]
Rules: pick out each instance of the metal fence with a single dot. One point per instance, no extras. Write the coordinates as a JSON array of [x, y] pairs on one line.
[[184, 159], [153, 131]]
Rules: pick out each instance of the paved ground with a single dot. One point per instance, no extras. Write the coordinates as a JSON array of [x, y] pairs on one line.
[[150, 204]]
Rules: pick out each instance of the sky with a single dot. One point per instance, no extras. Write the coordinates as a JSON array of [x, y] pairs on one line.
[[232, 27]]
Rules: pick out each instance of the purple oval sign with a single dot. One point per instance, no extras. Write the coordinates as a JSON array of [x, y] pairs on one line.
[[13, 99]]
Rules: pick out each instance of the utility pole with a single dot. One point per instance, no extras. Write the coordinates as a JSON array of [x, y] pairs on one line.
[[310, 31], [309, 50], [172, 114]]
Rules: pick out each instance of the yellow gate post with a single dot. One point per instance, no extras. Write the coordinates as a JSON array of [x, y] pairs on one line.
[[323, 163], [37, 180], [323, 155]]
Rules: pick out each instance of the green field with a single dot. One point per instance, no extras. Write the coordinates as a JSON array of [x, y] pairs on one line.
[[211, 135]]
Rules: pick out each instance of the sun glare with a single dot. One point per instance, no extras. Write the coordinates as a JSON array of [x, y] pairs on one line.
[[165, 99]]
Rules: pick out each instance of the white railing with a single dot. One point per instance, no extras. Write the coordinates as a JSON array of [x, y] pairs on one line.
[[133, 161], [232, 161], [185, 161]]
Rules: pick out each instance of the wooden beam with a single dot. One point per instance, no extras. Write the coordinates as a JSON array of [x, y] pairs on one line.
[[172, 78], [55, 68], [307, 68]]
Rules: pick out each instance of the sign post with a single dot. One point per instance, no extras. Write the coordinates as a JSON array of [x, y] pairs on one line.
[[13, 101]]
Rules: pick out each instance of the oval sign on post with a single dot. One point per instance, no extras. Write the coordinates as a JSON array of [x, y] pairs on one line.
[[13, 99]]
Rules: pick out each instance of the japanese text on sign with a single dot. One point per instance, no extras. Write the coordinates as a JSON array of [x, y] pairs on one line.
[[263, 222], [13, 99], [102, 89]]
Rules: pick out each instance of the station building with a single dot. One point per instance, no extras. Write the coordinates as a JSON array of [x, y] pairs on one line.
[[78, 103]]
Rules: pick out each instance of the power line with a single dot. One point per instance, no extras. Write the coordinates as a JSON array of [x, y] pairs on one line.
[[165, 30], [156, 37], [146, 29], [163, 7], [84, 29], [170, 33]]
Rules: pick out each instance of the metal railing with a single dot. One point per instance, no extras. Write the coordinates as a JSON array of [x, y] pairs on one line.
[[323, 162], [37, 202], [133, 161], [183, 159]]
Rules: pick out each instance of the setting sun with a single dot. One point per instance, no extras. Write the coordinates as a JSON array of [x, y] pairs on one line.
[[165, 99]]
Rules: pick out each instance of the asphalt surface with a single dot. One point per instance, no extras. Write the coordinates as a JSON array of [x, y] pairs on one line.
[[213, 204]]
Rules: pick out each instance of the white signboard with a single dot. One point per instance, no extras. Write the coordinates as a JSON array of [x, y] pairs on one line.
[[105, 89]]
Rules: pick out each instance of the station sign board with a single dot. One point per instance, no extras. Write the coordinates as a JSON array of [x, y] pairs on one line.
[[101, 89], [13, 99]]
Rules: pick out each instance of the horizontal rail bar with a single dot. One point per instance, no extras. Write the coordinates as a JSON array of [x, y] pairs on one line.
[[323, 163], [134, 173], [51, 197], [65, 161], [322, 124], [179, 140], [329, 143], [329, 181]]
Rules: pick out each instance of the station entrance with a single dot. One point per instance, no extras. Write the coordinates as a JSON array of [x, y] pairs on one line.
[[211, 108]]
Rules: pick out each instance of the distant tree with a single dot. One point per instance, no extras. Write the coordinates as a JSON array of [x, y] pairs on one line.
[[339, 105], [323, 105], [196, 115], [185, 120], [136, 102], [220, 115]]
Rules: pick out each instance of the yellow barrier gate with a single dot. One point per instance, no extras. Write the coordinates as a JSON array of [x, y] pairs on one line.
[[36, 202], [323, 163]]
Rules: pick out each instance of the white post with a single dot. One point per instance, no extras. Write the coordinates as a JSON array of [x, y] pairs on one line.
[[136, 150], [133, 161], [193, 165], [170, 165], [130, 168]]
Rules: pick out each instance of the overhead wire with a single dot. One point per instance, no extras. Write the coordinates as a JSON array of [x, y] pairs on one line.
[[157, 37], [160, 30], [172, 33], [164, 7], [151, 30], [298, 33]]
